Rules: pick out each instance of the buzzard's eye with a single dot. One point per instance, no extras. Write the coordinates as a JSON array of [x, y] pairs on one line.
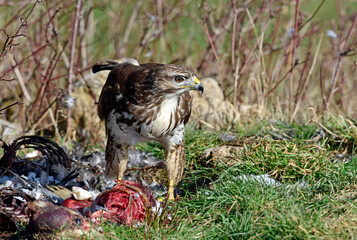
[[179, 79]]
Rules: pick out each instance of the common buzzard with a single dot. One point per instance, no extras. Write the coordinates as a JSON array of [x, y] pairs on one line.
[[142, 103]]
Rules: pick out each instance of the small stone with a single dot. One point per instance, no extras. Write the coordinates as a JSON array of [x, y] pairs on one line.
[[227, 137]]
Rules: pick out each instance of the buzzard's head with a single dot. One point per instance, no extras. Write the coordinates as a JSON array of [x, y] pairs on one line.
[[177, 79]]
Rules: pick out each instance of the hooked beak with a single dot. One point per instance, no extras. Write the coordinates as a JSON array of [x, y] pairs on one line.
[[198, 85]]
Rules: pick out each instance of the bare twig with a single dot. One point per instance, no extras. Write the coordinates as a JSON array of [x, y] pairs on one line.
[[124, 42], [17, 64], [307, 78], [293, 51], [20, 79], [71, 63], [9, 40], [4, 108], [246, 61], [209, 37], [338, 67], [313, 15], [12, 3], [160, 14]]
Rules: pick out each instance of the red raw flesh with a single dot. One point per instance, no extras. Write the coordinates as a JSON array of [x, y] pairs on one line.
[[125, 203], [76, 204]]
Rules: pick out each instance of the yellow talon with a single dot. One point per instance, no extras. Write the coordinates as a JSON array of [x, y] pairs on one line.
[[117, 180], [171, 190]]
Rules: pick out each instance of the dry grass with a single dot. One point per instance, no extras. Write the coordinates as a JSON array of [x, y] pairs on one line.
[[273, 56]]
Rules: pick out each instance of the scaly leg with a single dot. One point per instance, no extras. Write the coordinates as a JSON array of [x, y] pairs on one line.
[[116, 157], [175, 163]]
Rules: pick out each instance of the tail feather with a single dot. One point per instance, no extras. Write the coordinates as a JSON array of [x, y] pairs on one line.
[[110, 64]]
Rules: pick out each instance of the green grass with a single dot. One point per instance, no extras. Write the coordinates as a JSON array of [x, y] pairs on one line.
[[315, 161], [316, 198]]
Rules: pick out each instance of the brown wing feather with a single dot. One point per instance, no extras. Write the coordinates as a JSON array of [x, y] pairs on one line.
[[187, 98], [123, 79], [115, 85]]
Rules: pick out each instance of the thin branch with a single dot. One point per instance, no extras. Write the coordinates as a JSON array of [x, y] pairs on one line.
[[20, 79], [337, 71], [13, 104], [313, 15], [71, 62], [307, 78], [213, 47], [23, 60]]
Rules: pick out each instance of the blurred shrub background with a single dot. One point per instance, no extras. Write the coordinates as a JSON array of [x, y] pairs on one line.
[[291, 60]]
